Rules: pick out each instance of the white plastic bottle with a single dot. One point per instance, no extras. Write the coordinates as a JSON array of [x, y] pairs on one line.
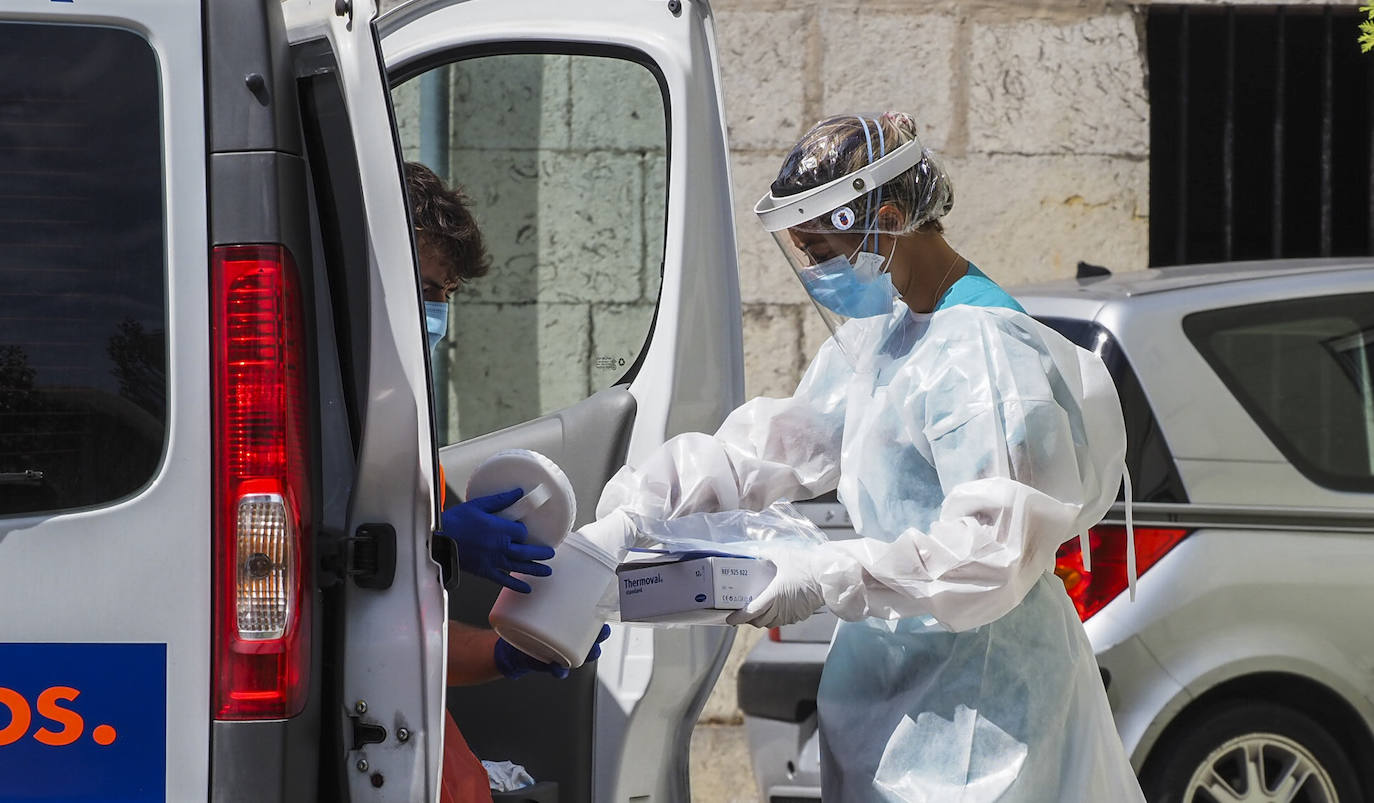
[[557, 621]]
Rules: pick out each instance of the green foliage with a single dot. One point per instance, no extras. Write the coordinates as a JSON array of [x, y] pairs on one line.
[[1367, 29]]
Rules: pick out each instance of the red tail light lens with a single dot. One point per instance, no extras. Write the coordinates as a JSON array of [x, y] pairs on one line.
[[775, 634], [262, 494], [1091, 591]]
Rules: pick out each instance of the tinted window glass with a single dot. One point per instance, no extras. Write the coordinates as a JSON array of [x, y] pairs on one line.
[[1303, 371], [1154, 477], [83, 396]]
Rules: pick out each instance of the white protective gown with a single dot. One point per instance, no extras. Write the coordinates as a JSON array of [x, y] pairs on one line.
[[967, 445]]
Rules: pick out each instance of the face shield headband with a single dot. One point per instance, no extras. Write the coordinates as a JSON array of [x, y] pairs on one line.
[[822, 204]]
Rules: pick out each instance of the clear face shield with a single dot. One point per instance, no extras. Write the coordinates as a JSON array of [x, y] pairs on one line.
[[845, 276], [832, 238]]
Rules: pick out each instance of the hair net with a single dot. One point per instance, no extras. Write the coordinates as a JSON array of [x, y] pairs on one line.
[[836, 147]]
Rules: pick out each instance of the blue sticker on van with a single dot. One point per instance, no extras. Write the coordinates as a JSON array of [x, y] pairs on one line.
[[83, 722]]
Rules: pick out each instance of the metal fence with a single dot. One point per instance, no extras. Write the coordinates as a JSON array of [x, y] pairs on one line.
[[1261, 133]]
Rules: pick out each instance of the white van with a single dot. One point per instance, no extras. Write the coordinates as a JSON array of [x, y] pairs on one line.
[[219, 446]]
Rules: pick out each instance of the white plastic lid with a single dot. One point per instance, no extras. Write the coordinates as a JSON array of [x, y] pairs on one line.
[[549, 506]]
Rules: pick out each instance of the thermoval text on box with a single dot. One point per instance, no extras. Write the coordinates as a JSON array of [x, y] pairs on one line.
[[690, 587]]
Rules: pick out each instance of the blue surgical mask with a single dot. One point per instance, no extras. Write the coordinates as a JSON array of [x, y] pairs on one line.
[[854, 289], [436, 322]]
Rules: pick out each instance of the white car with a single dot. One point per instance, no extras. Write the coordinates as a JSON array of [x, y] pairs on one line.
[[218, 475], [1242, 670]]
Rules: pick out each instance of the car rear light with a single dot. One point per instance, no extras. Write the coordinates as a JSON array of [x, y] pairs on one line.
[[265, 567], [262, 493], [775, 634], [1091, 591]]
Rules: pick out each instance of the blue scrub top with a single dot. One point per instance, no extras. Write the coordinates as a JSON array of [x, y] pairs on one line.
[[976, 290]]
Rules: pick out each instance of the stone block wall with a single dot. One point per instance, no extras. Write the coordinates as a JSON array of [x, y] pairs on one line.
[[1038, 110]]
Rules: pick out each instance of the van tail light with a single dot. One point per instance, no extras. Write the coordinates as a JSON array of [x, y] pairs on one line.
[[775, 634], [261, 485], [1091, 591]]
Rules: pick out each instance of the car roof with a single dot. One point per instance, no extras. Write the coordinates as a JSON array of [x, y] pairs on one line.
[[1160, 280]]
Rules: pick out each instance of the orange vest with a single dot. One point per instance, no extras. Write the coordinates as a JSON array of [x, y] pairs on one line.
[[464, 779]]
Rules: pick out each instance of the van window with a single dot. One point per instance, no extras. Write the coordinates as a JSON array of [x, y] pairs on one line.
[[1302, 368], [565, 159], [83, 344]]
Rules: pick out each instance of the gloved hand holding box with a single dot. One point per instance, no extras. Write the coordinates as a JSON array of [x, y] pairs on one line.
[[689, 587]]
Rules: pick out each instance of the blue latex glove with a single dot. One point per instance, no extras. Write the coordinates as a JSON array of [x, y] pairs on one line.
[[491, 547], [514, 663]]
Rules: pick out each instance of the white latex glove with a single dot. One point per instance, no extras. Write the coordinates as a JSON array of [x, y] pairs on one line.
[[793, 595]]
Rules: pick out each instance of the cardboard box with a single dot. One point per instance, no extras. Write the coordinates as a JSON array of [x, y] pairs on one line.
[[690, 587]]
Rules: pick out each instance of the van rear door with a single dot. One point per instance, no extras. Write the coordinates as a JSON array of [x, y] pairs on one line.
[[384, 610], [105, 437], [591, 141]]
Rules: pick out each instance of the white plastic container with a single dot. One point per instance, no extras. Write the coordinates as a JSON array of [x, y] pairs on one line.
[[557, 621]]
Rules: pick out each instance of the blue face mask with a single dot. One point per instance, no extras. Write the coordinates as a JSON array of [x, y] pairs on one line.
[[853, 289], [436, 322]]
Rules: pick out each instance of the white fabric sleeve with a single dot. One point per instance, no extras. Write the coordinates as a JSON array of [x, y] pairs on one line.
[[768, 449], [1028, 456]]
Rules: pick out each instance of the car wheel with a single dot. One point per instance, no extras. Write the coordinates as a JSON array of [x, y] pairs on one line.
[[1250, 751]]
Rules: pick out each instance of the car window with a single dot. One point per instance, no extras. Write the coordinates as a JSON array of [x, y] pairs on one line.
[[1302, 370], [1154, 476], [564, 157], [83, 343]]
